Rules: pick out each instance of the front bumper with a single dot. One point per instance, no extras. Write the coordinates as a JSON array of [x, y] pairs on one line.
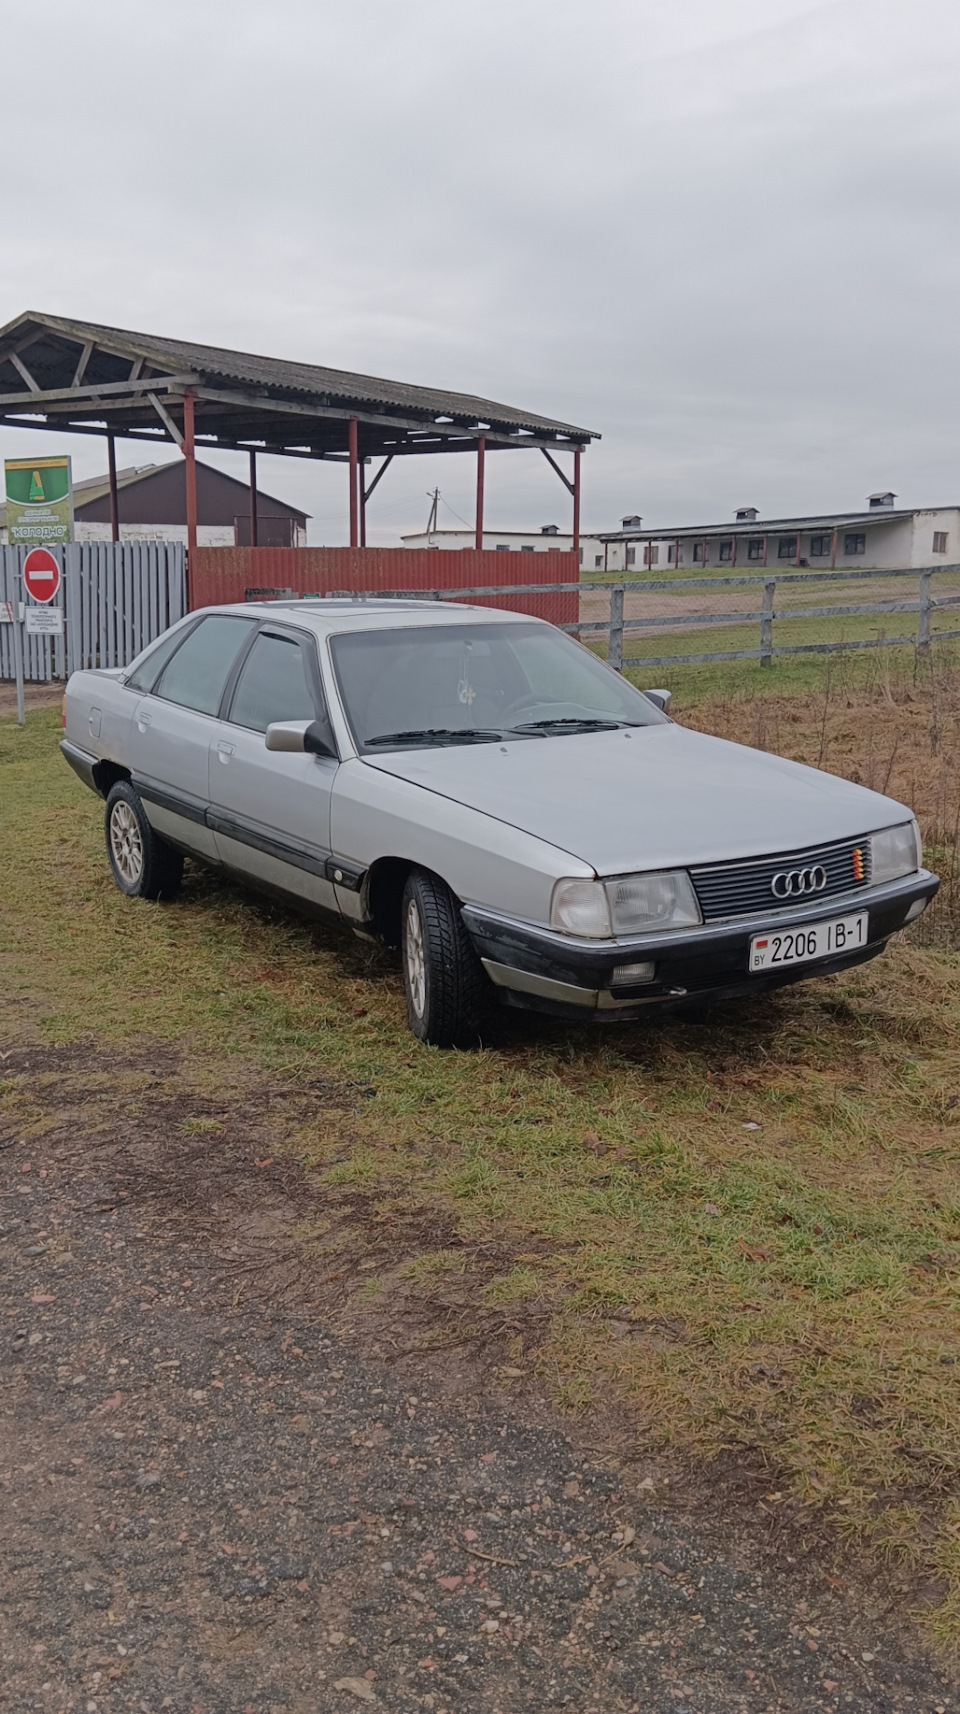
[[559, 973]]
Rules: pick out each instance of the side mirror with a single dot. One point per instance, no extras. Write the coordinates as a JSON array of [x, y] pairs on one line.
[[299, 736], [659, 698]]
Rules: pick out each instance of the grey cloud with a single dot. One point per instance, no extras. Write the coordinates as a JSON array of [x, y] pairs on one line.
[[720, 231]]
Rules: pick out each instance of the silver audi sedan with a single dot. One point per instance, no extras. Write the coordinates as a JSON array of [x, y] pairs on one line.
[[477, 789]]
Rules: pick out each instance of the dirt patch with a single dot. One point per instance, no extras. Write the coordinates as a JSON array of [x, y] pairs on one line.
[[34, 696]]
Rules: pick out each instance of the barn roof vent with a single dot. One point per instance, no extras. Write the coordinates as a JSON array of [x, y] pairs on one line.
[[549, 529], [879, 501], [746, 514], [633, 522]]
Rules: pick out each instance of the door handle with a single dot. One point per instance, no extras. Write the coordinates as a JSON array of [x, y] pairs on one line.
[[225, 751], [143, 720]]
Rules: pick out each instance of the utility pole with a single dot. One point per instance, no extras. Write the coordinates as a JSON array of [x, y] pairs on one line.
[[434, 499]]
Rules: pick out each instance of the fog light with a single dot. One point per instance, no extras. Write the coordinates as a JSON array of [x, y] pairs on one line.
[[626, 974], [916, 909]]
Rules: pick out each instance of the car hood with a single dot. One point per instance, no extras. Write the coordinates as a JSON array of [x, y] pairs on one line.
[[651, 797]]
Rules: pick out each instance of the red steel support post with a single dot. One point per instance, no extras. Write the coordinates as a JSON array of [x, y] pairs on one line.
[[733, 553], [114, 496], [576, 502], [354, 507], [481, 454], [362, 487], [254, 519], [191, 471], [799, 544], [833, 550], [676, 554], [764, 550]]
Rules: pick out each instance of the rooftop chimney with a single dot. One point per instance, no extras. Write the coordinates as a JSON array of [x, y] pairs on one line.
[[746, 514], [878, 501]]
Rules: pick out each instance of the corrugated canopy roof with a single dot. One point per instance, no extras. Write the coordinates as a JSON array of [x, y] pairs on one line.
[[90, 378]]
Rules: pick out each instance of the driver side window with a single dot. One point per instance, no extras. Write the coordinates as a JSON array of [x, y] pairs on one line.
[[274, 684]]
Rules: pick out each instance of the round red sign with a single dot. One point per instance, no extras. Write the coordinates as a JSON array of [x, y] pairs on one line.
[[41, 574]]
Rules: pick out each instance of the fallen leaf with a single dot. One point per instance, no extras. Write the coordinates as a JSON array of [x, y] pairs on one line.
[[450, 1583], [357, 1687], [754, 1251], [710, 1208], [751, 1125]]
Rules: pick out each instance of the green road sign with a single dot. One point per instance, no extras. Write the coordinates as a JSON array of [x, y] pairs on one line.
[[39, 501]]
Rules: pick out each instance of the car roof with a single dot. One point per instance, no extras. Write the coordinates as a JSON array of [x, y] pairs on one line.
[[331, 614]]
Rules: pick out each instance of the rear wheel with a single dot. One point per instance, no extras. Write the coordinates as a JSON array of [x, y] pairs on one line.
[[143, 865], [444, 981]]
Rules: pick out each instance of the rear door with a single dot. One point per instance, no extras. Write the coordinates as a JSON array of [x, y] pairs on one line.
[[270, 810], [173, 726]]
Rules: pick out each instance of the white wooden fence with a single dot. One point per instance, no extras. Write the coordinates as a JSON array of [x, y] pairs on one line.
[[116, 597]]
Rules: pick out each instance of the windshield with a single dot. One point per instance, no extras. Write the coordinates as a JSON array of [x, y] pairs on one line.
[[474, 684]]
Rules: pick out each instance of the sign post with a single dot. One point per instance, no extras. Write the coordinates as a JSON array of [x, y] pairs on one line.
[[18, 664], [39, 501]]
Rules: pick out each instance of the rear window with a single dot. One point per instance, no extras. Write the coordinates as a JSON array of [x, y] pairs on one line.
[[149, 670], [196, 676]]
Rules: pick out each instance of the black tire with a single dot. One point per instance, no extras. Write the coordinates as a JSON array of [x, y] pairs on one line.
[[143, 865], [446, 988]]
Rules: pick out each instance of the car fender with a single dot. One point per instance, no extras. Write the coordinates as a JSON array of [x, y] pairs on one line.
[[484, 861]]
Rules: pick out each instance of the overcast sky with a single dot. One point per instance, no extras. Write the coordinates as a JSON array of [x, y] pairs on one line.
[[721, 232]]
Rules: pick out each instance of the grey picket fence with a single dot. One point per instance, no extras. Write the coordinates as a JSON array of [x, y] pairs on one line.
[[116, 597]]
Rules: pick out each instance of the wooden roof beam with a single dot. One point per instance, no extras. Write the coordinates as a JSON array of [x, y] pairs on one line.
[[51, 397], [83, 360], [167, 420], [23, 371]]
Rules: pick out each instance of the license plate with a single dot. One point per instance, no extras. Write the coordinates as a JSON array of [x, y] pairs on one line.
[[813, 940]]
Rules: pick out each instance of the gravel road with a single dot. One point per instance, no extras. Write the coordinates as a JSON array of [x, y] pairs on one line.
[[217, 1503]]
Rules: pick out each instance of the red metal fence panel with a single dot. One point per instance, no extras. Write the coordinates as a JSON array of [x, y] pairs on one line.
[[218, 575]]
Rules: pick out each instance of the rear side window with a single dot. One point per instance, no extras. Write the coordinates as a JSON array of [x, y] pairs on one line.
[[198, 672], [150, 669], [273, 685]]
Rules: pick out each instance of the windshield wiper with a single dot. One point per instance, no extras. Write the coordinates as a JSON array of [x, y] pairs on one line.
[[438, 735], [579, 723]]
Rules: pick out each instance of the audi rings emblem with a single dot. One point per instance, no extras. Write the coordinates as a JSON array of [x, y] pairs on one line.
[[791, 883]]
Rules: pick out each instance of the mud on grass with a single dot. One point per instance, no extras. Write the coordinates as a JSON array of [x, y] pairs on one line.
[[740, 1234]]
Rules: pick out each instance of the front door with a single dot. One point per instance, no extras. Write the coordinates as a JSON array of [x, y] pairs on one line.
[[270, 810], [172, 728]]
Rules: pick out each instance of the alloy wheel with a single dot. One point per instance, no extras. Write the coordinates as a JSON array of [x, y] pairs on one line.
[[126, 843], [415, 959]]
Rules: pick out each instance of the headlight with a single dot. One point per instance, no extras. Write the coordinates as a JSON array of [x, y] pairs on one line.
[[894, 852], [660, 900], [580, 907], [628, 905]]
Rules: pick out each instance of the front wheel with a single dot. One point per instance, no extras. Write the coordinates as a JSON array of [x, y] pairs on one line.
[[143, 865], [442, 975]]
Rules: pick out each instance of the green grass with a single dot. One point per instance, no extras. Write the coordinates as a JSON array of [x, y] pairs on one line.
[[791, 1289]]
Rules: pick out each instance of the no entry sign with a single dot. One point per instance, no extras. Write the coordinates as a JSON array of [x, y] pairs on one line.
[[41, 574]]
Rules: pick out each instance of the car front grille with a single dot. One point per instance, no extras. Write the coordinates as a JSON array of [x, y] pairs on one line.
[[745, 889]]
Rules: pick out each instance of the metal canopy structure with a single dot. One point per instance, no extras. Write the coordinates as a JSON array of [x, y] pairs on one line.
[[84, 378]]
